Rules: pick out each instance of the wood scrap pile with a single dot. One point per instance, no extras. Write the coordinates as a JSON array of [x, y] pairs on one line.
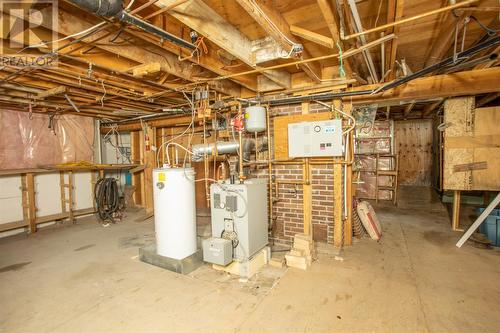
[[302, 252]]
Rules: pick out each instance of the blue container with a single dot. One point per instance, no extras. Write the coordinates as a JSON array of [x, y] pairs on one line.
[[491, 226], [128, 178]]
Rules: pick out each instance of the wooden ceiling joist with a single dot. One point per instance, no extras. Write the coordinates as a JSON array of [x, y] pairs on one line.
[[200, 17], [276, 26], [331, 21], [312, 36], [69, 24]]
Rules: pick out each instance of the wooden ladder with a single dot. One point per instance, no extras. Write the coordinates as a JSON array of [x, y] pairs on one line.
[[392, 173]]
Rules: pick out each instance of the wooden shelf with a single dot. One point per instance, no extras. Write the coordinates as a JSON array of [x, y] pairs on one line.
[[69, 168]]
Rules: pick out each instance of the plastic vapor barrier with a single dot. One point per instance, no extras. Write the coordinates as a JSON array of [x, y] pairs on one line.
[[36, 140]]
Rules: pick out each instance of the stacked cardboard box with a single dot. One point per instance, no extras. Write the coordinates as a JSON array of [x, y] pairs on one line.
[[302, 253]]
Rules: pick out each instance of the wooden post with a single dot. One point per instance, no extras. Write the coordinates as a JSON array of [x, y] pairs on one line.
[[62, 184], [338, 232], [70, 197], [136, 177], [25, 199], [150, 163], [30, 182], [93, 181], [455, 222], [307, 187]]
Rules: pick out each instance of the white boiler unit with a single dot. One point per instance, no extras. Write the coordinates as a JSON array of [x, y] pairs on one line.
[[174, 212]]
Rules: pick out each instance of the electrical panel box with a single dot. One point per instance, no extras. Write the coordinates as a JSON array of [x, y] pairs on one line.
[[217, 251], [315, 139], [239, 213]]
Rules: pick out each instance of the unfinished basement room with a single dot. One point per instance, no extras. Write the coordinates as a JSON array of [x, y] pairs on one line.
[[249, 166]]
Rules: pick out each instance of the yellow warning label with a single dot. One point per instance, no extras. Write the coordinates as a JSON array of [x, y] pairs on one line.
[[161, 177]]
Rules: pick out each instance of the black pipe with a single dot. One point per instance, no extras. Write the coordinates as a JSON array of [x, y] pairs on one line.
[[449, 61], [123, 16], [114, 8], [107, 8]]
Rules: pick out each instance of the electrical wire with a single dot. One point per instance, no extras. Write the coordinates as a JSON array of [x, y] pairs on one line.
[[66, 37], [178, 136]]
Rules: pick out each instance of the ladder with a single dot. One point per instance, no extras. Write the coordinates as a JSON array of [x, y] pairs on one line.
[[392, 173]]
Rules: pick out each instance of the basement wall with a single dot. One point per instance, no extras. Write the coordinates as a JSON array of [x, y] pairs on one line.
[[27, 142], [48, 197], [288, 210]]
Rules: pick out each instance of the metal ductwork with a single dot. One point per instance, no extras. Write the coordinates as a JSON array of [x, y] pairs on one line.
[[223, 147], [114, 8]]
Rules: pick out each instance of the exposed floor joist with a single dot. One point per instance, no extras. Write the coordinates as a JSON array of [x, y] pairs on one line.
[[200, 17], [279, 29]]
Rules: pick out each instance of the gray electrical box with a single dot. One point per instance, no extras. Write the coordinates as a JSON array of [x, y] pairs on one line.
[[315, 139], [239, 212], [217, 251]]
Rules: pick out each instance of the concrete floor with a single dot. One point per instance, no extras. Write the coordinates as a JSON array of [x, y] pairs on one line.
[[87, 278]]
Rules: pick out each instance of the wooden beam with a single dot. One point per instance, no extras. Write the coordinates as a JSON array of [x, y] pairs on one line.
[[439, 86], [487, 99], [338, 223], [331, 21], [200, 17], [52, 92], [444, 40], [150, 163], [312, 36], [135, 150], [408, 109], [307, 188], [455, 222], [165, 9], [30, 183], [146, 69], [69, 24], [429, 108], [262, 13], [398, 14]]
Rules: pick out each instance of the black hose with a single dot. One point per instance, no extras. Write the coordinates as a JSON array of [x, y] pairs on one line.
[[107, 199]]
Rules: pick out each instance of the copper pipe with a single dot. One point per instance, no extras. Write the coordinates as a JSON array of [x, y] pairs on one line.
[[410, 19], [240, 139], [270, 168], [205, 163]]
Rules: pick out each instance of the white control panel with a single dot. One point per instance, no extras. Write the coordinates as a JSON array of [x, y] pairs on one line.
[[315, 139]]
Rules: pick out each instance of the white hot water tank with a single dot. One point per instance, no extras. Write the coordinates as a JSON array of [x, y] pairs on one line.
[[175, 212]]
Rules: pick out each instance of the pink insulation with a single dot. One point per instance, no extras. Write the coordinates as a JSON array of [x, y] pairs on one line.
[[29, 143], [375, 141]]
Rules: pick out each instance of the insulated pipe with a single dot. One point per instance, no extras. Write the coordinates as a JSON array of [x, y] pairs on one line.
[[201, 150], [222, 148], [114, 8], [107, 8]]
